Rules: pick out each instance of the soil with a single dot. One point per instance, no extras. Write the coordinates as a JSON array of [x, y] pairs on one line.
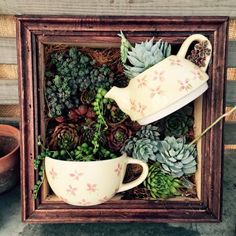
[[7, 144]]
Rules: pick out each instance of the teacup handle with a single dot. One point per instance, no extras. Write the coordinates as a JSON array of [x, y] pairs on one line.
[[139, 180], [195, 37]]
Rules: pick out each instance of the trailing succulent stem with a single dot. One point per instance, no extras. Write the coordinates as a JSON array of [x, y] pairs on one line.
[[98, 107]]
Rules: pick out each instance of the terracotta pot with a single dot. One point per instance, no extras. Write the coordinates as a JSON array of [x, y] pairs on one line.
[[9, 157]]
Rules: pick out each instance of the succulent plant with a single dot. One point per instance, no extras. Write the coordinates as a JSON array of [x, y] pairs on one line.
[[87, 133], [161, 185], [178, 124], [117, 136], [87, 96], [101, 77], [144, 144], [145, 149], [61, 96], [73, 72], [124, 47], [113, 114], [148, 131], [199, 53], [129, 146], [176, 157], [121, 81], [64, 136], [142, 55]]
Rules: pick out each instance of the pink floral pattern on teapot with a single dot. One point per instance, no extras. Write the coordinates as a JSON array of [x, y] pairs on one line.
[[163, 88]]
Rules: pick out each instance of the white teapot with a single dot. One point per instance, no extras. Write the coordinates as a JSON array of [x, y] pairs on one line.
[[164, 87]]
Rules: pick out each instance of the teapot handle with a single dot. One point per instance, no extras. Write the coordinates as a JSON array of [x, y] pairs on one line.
[[195, 37]]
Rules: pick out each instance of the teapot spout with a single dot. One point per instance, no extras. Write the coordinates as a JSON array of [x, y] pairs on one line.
[[121, 97]]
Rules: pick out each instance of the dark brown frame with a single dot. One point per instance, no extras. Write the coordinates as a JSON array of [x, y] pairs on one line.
[[34, 31]]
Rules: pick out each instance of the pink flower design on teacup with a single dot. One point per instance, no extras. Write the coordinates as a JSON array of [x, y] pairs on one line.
[[156, 91], [141, 108], [184, 85], [142, 82], [133, 104], [91, 188], [197, 74], [158, 75], [104, 199], [175, 62], [118, 169], [83, 202], [76, 175], [71, 190], [53, 173]]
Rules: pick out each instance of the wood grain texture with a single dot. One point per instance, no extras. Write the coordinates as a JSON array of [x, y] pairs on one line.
[[7, 26], [231, 74], [230, 132], [231, 93], [10, 121], [120, 7], [232, 116], [231, 54], [9, 110], [8, 71], [33, 32], [8, 51], [9, 92], [232, 29], [230, 148]]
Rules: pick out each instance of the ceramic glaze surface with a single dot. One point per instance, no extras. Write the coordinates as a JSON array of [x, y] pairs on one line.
[[90, 183], [163, 85]]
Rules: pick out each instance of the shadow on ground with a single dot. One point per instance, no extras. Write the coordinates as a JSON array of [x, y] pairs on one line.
[[10, 224], [107, 230]]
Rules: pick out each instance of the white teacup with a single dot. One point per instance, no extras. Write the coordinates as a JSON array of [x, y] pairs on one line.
[[90, 183]]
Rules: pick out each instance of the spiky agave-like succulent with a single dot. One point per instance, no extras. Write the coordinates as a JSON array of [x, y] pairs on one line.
[[176, 157], [161, 185], [143, 55]]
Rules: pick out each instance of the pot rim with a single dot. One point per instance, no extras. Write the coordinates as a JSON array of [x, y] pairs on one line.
[[124, 155], [16, 136]]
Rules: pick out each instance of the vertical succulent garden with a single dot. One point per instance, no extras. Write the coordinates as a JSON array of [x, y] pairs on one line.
[[83, 125]]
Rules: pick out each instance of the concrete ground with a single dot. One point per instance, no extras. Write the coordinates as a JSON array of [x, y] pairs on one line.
[[10, 220]]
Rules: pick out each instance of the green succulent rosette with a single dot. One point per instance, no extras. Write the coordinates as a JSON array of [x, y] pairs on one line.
[[145, 149], [178, 124], [161, 185], [143, 55], [143, 145], [176, 157]]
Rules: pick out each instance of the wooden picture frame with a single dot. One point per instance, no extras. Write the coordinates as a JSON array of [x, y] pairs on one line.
[[34, 32]]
